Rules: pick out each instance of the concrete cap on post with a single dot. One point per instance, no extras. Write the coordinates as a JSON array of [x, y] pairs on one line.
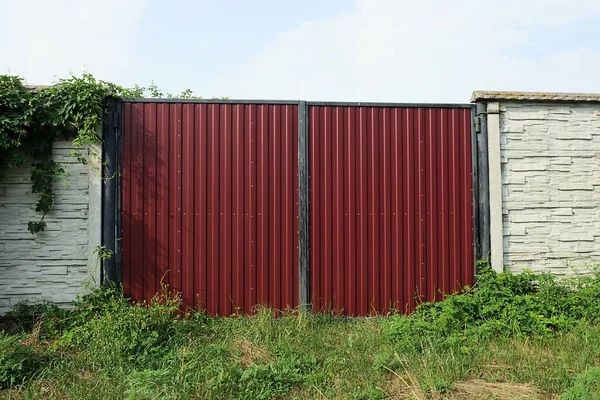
[[491, 95]]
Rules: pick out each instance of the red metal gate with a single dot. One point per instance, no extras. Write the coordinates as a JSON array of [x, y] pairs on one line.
[[391, 202], [209, 203]]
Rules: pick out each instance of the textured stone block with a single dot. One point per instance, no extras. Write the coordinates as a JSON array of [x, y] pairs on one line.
[[52, 265], [551, 185]]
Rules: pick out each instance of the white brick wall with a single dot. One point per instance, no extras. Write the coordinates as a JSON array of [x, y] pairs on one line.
[[550, 155], [52, 265]]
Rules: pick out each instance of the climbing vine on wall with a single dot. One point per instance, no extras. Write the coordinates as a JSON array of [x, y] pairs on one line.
[[32, 119]]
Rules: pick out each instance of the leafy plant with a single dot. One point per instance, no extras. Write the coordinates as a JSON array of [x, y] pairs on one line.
[[31, 120], [18, 362], [501, 305], [501, 335], [586, 386]]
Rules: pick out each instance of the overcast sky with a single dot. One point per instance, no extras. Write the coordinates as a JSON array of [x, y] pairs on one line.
[[361, 50]]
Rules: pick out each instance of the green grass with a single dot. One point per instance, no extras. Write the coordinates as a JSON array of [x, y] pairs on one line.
[[493, 340]]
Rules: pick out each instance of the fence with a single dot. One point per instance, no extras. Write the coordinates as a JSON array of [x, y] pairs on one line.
[[352, 208], [391, 205]]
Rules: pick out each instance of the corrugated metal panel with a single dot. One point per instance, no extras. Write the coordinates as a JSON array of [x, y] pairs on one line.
[[209, 203], [391, 205]]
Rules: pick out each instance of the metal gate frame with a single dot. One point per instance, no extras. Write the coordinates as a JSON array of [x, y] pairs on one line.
[[112, 172]]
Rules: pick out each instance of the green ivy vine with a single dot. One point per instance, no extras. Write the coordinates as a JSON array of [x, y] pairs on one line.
[[32, 119]]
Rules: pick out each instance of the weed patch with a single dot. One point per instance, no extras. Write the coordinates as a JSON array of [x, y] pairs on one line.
[[528, 336]]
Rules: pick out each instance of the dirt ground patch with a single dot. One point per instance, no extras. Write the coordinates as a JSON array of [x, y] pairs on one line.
[[476, 389], [252, 354]]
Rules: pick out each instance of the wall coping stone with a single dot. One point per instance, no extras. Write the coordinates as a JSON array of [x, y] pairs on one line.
[[481, 95]]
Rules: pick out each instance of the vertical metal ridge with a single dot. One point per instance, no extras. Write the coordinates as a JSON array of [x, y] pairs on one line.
[[385, 211], [314, 203], [373, 233], [421, 199], [362, 308], [396, 211], [295, 208], [157, 287], [409, 211], [136, 202], [337, 207], [286, 236], [212, 202], [225, 212], [326, 215], [262, 192], [350, 194], [149, 200], [275, 209], [250, 224], [178, 286], [237, 224], [455, 193], [200, 205], [187, 204]]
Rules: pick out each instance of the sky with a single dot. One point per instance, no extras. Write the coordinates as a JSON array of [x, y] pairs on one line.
[[344, 50]]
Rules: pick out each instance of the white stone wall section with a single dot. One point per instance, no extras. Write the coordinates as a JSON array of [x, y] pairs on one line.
[[54, 265], [550, 169]]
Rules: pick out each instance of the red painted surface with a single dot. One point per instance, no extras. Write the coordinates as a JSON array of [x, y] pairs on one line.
[[391, 206], [210, 204]]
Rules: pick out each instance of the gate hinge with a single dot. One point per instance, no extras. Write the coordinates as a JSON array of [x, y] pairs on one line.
[[477, 122]]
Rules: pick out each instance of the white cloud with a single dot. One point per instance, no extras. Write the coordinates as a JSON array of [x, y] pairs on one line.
[[420, 51], [42, 40]]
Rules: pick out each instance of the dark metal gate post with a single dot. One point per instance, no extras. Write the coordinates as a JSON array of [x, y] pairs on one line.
[[303, 207], [483, 185], [109, 189], [475, 128]]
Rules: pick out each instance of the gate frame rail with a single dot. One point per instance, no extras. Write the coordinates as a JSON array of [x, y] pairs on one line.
[[112, 173]]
